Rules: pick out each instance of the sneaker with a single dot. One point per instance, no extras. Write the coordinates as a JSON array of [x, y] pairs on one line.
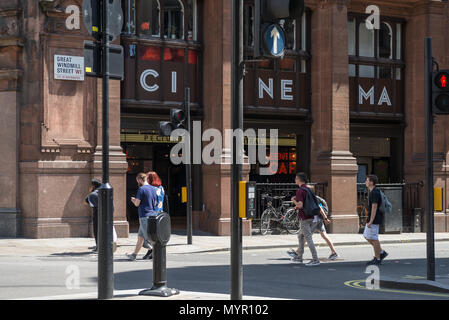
[[292, 253], [131, 256], [333, 257], [313, 263], [297, 260], [383, 255], [374, 262], [148, 256]]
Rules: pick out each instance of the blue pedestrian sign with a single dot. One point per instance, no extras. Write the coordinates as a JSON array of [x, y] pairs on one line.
[[274, 40]]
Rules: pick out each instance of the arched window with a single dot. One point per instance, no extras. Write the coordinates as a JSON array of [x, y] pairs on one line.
[[173, 13], [149, 18], [385, 41]]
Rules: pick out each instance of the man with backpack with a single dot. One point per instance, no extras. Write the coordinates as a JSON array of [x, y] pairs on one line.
[[303, 203], [318, 226], [376, 201]]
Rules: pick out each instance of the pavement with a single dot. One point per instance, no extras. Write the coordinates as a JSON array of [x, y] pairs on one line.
[[204, 243]]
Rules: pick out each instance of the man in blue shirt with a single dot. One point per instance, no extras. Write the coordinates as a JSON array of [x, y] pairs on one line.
[[146, 201]]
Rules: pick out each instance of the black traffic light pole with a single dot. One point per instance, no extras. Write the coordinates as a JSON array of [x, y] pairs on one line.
[[189, 167], [236, 168], [105, 194], [429, 161]]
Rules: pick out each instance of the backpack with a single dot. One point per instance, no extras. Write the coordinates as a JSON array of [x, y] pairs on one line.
[[385, 206], [311, 205], [324, 205]]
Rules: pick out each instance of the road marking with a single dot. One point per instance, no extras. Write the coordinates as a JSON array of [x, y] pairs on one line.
[[357, 285], [414, 277]]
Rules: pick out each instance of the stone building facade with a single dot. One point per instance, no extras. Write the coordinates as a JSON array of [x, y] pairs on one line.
[[347, 101]]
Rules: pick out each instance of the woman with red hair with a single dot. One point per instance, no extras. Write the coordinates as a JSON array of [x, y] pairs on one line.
[[154, 180]]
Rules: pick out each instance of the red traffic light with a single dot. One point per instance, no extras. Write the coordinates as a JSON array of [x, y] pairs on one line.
[[177, 117], [442, 80]]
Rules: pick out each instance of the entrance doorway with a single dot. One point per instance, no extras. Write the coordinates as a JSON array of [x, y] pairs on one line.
[[144, 157]]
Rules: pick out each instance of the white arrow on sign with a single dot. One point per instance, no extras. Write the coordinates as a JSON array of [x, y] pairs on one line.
[[275, 35]]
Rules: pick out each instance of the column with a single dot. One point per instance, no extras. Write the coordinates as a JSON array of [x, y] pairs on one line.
[[428, 19], [331, 161]]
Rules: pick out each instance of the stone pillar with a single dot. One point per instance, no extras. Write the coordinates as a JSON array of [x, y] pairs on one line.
[[217, 114], [331, 160], [58, 129], [10, 76], [117, 162], [427, 20]]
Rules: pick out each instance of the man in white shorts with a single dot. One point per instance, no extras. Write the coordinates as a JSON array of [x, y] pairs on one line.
[[375, 219]]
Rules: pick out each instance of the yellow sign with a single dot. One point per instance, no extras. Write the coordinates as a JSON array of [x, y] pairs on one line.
[[438, 199], [283, 142], [242, 199], [184, 194], [88, 69], [148, 138]]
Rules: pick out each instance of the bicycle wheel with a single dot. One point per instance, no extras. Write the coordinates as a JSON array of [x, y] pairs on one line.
[[265, 221], [290, 221]]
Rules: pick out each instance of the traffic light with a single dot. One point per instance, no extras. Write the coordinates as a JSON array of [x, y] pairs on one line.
[[269, 37], [177, 119], [440, 92]]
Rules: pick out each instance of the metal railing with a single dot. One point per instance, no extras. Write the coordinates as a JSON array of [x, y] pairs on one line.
[[411, 199], [282, 189]]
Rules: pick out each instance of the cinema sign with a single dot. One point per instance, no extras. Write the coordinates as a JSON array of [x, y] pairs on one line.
[[369, 96], [266, 88], [376, 96]]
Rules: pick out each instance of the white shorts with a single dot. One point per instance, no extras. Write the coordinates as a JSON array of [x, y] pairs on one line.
[[371, 233]]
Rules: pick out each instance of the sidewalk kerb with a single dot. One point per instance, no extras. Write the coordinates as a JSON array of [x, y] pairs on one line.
[[337, 244]]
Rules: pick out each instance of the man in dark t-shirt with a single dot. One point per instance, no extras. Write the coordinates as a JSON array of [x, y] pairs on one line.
[[375, 219]]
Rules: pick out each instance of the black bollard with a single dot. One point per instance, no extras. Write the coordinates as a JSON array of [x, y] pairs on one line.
[[159, 230]]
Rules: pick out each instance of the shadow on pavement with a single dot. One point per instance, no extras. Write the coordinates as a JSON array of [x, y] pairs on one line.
[[72, 254], [287, 280]]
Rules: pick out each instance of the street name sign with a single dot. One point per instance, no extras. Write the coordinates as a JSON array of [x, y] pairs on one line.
[[68, 68]]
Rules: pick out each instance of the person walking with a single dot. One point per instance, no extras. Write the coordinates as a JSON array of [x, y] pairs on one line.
[[375, 219], [318, 226], [92, 201], [146, 201], [154, 180], [305, 223]]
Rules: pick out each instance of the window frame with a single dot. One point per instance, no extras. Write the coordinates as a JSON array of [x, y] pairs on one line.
[[377, 62], [188, 13]]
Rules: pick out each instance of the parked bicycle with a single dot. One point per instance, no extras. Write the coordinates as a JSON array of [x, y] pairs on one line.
[[283, 217]]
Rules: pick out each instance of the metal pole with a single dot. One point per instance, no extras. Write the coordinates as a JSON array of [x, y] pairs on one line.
[[105, 194], [236, 168], [429, 161], [189, 168]]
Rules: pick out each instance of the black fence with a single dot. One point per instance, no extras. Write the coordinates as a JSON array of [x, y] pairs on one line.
[[282, 189], [405, 198]]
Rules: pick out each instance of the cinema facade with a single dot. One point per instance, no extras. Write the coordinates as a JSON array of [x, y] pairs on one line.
[[347, 101]]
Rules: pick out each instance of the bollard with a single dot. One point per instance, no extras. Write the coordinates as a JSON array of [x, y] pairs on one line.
[[159, 231]]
